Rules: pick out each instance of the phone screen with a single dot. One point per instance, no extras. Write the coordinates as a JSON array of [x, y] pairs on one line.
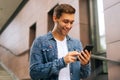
[[88, 48]]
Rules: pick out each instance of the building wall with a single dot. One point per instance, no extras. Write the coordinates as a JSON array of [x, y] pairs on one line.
[[112, 18], [84, 22], [14, 41]]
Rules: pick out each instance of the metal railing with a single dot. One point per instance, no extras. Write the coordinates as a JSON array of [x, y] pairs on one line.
[[92, 56], [104, 59]]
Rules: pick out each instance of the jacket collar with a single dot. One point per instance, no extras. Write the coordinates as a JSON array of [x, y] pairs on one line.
[[50, 36]]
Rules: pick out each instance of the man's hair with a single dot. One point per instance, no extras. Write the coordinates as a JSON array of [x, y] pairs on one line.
[[63, 8]]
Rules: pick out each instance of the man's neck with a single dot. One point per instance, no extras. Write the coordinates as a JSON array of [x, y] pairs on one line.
[[58, 36]]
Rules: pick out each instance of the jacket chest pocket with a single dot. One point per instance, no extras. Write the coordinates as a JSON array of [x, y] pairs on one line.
[[48, 55]]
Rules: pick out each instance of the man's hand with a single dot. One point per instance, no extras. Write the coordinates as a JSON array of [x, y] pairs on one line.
[[84, 57], [71, 57]]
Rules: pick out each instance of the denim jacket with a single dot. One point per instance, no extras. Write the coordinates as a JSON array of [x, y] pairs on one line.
[[44, 62]]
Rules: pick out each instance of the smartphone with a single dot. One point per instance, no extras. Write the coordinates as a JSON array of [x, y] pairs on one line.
[[88, 47]]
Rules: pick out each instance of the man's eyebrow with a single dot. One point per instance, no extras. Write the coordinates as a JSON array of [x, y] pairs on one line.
[[69, 20]]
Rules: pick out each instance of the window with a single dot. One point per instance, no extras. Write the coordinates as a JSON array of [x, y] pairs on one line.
[[50, 19], [98, 26], [101, 26], [32, 34], [98, 33]]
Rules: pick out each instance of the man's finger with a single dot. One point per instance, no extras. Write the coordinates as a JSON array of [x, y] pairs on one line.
[[74, 53]]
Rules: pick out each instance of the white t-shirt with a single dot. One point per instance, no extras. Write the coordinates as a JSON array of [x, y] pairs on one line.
[[64, 73]]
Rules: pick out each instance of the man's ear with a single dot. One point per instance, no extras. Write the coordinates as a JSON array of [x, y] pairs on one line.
[[54, 18]]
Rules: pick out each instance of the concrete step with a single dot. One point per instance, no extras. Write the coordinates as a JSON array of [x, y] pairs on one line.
[[4, 75]]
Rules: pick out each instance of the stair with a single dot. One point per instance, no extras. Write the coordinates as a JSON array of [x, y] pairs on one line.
[[4, 75]]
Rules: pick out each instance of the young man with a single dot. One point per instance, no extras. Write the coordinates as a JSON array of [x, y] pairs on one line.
[[54, 55]]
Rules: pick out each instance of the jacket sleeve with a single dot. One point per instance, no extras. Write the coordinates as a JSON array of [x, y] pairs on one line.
[[39, 69], [85, 70]]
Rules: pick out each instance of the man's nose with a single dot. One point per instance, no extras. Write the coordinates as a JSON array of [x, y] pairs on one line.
[[69, 25]]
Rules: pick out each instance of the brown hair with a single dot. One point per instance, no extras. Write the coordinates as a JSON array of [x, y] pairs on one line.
[[63, 8]]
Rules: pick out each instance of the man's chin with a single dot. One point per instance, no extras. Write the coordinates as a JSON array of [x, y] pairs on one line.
[[65, 34]]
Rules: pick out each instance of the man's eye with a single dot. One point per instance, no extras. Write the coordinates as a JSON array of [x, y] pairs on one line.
[[71, 22], [66, 21]]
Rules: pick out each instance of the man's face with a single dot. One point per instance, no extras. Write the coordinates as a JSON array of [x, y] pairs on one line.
[[64, 23]]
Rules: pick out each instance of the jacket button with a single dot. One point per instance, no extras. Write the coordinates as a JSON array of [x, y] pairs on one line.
[[70, 73]]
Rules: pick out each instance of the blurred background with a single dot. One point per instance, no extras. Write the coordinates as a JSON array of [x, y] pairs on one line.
[[96, 23]]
